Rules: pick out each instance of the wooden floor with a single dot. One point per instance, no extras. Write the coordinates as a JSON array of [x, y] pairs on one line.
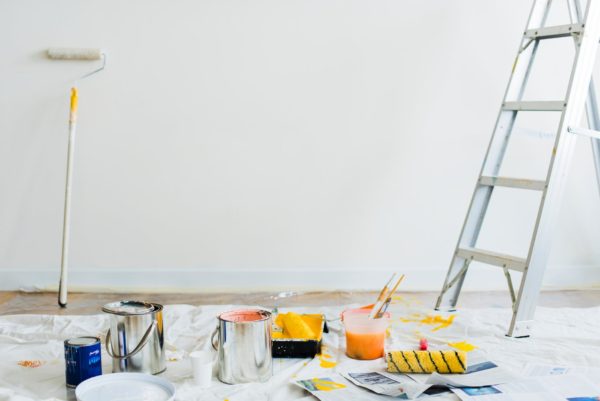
[[90, 303]]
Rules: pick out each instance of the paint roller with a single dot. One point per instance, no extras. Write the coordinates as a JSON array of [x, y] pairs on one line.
[[423, 361], [74, 53], [70, 54]]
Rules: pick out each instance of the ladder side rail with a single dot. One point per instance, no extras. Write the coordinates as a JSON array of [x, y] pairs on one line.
[[591, 105], [494, 155], [557, 172], [593, 119]]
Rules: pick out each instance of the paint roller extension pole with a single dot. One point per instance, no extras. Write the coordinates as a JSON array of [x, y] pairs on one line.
[[64, 260]]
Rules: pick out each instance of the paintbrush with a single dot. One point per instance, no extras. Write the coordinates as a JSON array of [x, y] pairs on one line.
[[381, 298], [383, 309], [388, 299]]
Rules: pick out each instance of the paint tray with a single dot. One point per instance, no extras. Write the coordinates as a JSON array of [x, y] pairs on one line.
[[286, 347]]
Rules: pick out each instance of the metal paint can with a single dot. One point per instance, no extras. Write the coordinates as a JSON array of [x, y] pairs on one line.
[[83, 359], [244, 346], [135, 339]]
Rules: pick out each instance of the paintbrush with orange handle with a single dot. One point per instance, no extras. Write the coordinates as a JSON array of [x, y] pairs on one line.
[[381, 298], [388, 299]]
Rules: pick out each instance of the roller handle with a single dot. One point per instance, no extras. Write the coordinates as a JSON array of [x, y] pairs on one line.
[[64, 262], [74, 103]]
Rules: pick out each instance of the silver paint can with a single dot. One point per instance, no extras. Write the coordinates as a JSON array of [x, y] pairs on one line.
[[244, 346], [135, 338]]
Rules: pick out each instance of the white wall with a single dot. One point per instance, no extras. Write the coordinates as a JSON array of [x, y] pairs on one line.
[[267, 143]]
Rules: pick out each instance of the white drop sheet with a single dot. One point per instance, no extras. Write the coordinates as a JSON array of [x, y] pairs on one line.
[[566, 337]]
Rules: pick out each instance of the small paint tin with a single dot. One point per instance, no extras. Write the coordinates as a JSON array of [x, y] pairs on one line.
[[83, 359]]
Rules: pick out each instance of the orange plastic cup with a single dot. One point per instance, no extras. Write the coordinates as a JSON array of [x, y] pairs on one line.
[[365, 337]]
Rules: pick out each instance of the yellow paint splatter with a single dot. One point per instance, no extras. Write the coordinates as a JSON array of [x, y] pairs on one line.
[[463, 346], [327, 385], [435, 320], [324, 359], [325, 363]]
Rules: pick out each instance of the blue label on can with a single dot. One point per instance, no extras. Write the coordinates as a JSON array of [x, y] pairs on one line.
[[82, 360]]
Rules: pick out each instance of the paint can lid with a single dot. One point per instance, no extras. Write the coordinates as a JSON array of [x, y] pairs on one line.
[[125, 386], [126, 308], [82, 341]]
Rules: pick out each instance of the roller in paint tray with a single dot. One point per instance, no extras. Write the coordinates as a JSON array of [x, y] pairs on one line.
[[446, 361], [298, 336]]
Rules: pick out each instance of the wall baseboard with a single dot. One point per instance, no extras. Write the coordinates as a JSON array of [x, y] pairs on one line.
[[237, 280]]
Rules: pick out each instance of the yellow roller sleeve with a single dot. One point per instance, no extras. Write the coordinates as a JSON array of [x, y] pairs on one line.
[[74, 100], [426, 361], [296, 327]]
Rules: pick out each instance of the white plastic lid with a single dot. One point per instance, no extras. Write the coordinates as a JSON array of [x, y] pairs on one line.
[[125, 387]]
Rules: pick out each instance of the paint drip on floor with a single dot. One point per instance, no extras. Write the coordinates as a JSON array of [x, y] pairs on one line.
[[439, 321], [463, 346], [30, 364], [325, 360]]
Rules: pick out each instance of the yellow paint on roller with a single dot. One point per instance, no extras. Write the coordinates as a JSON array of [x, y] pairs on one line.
[[426, 361], [463, 346], [293, 325], [296, 327]]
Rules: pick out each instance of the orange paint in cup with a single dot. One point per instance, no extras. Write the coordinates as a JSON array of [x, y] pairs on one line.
[[365, 338]]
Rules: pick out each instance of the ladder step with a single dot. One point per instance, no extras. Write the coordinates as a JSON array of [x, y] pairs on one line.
[[522, 183], [493, 258], [551, 32], [544, 105], [584, 131]]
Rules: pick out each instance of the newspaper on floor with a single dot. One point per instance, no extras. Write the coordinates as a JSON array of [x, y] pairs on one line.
[[480, 372], [538, 369], [390, 384], [336, 388], [548, 388], [373, 383]]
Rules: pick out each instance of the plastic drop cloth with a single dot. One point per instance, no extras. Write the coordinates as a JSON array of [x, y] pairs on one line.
[[565, 337]]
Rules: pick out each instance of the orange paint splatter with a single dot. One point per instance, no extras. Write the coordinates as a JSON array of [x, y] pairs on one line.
[[30, 364]]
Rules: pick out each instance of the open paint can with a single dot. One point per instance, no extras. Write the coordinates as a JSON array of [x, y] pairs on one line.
[[244, 346], [135, 339]]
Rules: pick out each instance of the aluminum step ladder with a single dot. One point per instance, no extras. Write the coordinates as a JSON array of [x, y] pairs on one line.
[[585, 31]]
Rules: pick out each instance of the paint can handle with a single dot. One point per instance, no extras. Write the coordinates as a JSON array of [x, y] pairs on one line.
[[212, 339], [137, 349]]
